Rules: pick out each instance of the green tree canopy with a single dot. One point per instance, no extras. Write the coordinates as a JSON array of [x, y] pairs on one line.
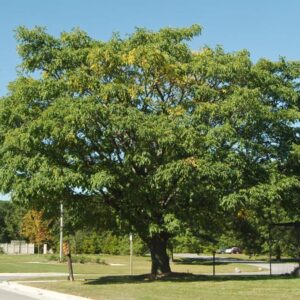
[[164, 136]]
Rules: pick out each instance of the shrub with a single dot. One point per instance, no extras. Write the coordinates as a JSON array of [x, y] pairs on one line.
[[119, 245], [84, 242], [83, 259], [100, 261], [55, 257]]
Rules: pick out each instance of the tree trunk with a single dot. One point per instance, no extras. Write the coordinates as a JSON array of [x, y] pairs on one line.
[[159, 256], [278, 252]]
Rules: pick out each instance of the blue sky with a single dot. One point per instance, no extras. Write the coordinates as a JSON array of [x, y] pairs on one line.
[[267, 28]]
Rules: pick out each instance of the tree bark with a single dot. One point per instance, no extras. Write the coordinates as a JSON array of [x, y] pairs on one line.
[[159, 256], [278, 252]]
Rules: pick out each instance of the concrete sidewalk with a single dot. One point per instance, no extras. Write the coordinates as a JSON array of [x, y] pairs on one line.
[[36, 293]]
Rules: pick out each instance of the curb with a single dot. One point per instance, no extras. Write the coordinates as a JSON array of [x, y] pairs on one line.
[[37, 293]]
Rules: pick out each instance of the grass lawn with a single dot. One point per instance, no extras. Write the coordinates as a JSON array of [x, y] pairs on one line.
[[111, 281], [189, 287], [113, 265]]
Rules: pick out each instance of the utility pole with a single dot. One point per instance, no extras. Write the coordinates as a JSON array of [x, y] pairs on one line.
[[61, 231]]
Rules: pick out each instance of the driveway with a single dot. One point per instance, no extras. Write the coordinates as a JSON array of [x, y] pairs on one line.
[[5, 295]]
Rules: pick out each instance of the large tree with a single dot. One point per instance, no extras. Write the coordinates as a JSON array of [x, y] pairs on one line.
[[164, 136]]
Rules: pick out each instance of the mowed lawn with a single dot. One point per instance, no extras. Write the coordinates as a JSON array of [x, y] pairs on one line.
[[111, 280], [112, 265], [193, 287]]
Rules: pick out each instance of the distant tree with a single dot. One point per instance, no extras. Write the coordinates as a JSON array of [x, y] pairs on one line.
[[11, 216], [35, 228], [160, 135], [4, 237]]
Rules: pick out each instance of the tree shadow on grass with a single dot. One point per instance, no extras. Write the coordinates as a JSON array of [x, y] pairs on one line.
[[181, 277]]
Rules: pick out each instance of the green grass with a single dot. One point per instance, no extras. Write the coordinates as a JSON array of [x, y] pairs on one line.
[[113, 265], [111, 281], [180, 288]]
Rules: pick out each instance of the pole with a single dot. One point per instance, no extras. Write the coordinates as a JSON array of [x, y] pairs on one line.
[[214, 263], [131, 252], [270, 251], [70, 268], [61, 232], [270, 261], [70, 265]]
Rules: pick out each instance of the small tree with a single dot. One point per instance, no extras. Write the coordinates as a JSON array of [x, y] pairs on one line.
[[35, 228]]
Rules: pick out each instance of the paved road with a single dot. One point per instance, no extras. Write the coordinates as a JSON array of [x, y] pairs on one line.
[[5, 295], [277, 268], [9, 276], [11, 290]]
